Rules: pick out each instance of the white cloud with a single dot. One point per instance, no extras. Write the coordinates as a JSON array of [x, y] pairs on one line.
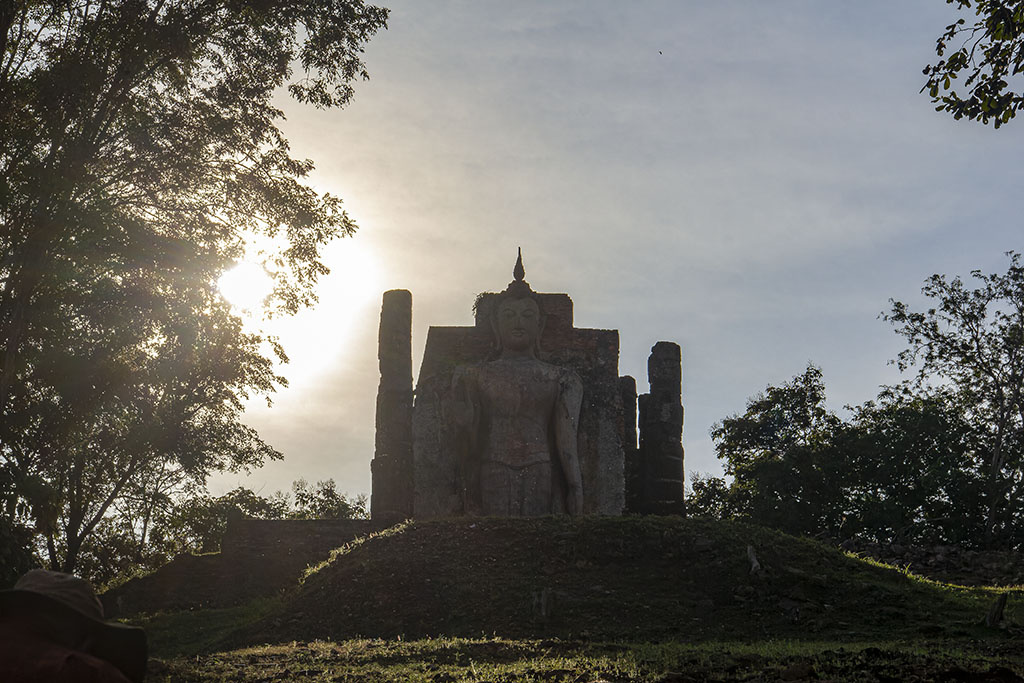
[[757, 192]]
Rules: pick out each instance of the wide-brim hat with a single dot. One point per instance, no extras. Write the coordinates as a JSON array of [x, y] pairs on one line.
[[68, 597]]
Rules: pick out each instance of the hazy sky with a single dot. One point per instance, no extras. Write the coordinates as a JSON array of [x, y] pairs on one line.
[[751, 180]]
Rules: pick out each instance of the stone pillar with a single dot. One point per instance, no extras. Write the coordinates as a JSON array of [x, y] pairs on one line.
[[631, 454], [661, 431], [391, 469]]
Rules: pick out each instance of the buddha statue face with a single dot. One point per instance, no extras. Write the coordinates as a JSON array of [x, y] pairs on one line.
[[518, 325]]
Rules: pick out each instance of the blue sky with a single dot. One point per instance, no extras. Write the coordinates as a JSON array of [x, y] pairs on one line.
[[751, 180]]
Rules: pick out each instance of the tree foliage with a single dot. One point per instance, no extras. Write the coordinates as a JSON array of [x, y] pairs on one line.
[[902, 468], [972, 341], [938, 458], [910, 471], [16, 556], [140, 157], [323, 501], [777, 453], [127, 542], [989, 53]]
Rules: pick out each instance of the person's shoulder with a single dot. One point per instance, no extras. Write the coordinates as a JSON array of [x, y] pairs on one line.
[[27, 657], [85, 667]]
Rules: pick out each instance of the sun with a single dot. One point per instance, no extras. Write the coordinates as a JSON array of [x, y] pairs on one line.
[[246, 286]]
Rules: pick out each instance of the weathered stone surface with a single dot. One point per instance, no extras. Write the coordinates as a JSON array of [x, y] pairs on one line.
[[515, 420], [391, 468], [633, 482], [435, 469], [557, 310], [661, 427], [613, 463], [590, 354], [627, 390]]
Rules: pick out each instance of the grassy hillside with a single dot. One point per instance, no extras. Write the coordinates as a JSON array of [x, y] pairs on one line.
[[629, 578], [453, 660], [605, 599]]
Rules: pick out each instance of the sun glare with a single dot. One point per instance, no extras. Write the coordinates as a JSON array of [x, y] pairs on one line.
[[246, 286], [348, 295], [316, 339]]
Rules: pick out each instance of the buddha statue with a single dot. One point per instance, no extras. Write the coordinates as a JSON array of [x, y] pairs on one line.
[[516, 419]]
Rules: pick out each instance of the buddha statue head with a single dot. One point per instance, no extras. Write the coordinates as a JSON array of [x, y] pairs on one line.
[[516, 319]]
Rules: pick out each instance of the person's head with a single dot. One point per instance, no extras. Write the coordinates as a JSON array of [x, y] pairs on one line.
[[518, 324], [64, 609]]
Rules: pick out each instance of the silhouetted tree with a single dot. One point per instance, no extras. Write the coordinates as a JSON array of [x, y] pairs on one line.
[[323, 501], [904, 468], [16, 556], [709, 496], [972, 342], [988, 51], [911, 472], [139, 154], [127, 542], [785, 473], [939, 458]]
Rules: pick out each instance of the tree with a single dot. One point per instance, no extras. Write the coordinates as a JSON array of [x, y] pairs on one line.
[[16, 555], [144, 533], [139, 158], [323, 501], [972, 341], [911, 470], [902, 469], [990, 51], [778, 452], [938, 458], [709, 496]]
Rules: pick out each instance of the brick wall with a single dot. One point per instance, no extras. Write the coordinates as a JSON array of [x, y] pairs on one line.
[[258, 558]]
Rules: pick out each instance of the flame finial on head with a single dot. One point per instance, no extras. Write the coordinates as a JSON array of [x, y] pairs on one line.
[[518, 287]]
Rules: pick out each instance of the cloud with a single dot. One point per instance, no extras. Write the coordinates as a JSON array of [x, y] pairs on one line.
[[756, 191]]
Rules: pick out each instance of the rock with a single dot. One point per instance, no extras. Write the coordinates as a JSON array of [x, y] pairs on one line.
[[798, 671], [744, 593]]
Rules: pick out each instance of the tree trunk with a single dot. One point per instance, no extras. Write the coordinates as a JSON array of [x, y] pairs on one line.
[[71, 556], [995, 477]]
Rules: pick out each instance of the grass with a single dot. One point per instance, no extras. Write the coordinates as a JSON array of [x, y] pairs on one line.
[[195, 632], [614, 599], [630, 578], [453, 660], [312, 569]]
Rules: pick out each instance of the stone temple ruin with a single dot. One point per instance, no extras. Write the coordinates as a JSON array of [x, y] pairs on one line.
[[522, 414]]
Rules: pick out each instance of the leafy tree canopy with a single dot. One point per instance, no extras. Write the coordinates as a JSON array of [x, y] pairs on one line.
[[972, 342], [776, 452], [903, 468], [938, 458], [139, 538], [988, 52], [140, 157]]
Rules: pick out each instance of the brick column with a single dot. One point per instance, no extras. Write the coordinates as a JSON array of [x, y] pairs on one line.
[[631, 454], [661, 431], [391, 469]]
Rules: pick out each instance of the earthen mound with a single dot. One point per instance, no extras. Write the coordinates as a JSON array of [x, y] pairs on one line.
[[636, 578]]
